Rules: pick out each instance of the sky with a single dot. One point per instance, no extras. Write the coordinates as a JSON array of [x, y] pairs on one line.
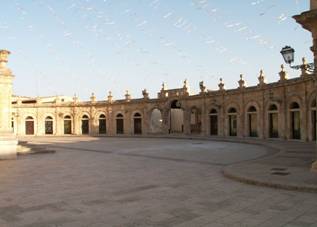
[[82, 46]]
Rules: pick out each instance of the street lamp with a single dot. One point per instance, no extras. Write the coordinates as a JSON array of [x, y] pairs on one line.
[[288, 55]]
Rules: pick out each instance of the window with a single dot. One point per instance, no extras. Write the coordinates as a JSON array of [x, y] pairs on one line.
[[120, 123], [85, 125], [67, 125], [232, 118], [102, 124], [137, 122], [48, 125], [29, 126], [295, 121], [213, 119]]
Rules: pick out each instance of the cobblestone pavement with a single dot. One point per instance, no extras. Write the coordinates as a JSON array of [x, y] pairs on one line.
[[142, 182]]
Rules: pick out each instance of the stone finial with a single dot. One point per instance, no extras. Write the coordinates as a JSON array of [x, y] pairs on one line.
[[185, 84], [164, 86], [75, 98], [127, 95], [57, 99], [261, 78], [241, 82], [38, 100], [145, 94], [186, 87], [221, 85], [19, 100], [4, 57], [304, 67], [283, 74], [202, 87], [93, 97], [110, 97], [3, 63]]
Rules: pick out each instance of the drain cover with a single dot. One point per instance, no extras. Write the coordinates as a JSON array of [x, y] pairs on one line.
[[280, 173], [278, 169]]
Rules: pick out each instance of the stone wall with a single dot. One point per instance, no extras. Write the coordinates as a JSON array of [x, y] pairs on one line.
[[283, 94]]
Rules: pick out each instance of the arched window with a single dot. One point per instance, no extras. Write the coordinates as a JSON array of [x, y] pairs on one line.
[[295, 124], [252, 121], [67, 125], [273, 121], [137, 122], [213, 121], [12, 123], [29, 126], [48, 125], [232, 121], [85, 125], [120, 123], [102, 124]]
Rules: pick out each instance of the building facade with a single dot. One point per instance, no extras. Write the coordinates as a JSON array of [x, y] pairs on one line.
[[284, 110]]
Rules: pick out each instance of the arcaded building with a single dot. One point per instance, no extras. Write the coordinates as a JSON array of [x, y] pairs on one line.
[[285, 110]]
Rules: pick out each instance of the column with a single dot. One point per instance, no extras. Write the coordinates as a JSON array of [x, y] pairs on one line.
[[8, 142]]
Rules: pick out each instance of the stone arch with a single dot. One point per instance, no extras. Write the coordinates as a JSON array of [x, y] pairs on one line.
[[137, 120], [294, 98], [156, 120], [232, 105]]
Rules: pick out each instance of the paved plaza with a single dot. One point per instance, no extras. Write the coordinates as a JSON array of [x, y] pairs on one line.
[[143, 182]]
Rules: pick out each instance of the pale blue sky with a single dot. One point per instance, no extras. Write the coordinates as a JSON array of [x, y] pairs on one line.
[[83, 46]]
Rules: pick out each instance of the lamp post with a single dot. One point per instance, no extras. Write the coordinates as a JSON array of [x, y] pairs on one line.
[[288, 55]]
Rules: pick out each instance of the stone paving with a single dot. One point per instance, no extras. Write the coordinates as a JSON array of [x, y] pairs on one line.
[[143, 182], [289, 168]]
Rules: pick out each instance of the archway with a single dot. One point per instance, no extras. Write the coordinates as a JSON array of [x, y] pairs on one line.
[[273, 121], [213, 121], [252, 122], [176, 118], [137, 123], [156, 121], [295, 124], [119, 124], [48, 125], [232, 121], [67, 125], [29, 126], [85, 125], [102, 124]]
